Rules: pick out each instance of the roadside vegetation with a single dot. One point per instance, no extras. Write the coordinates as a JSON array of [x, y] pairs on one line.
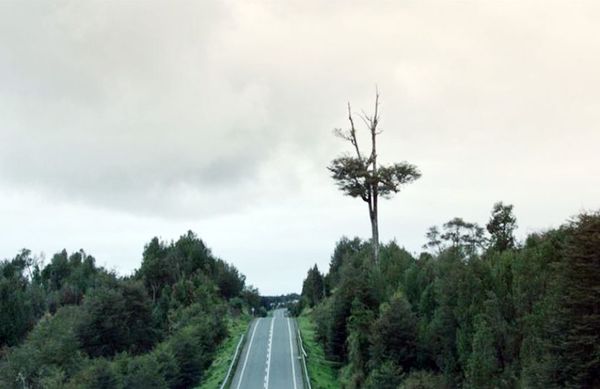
[[322, 372], [72, 324], [225, 353], [477, 309]]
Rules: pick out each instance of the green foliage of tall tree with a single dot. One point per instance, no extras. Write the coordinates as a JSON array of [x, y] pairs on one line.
[[463, 235], [580, 305], [355, 287], [313, 287], [501, 227], [394, 262], [344, 249], [537, 290], [229, 281], [434, 240], [478, 311], [116, 319], [394, 334], [482, 364], [361, 176], [165, 264], [359, 326], [21, 300], [251, 295], [385, 376]]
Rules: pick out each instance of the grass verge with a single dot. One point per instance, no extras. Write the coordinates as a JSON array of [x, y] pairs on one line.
[[323, 373], [215, 374]]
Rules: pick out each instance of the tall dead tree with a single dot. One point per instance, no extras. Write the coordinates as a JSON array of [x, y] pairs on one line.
[[359, 175]]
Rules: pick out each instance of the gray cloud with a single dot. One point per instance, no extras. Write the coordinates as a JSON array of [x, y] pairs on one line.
[[223, 111], [121, 106]]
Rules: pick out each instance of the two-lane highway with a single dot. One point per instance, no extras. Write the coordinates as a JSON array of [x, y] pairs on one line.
[[270, 356]]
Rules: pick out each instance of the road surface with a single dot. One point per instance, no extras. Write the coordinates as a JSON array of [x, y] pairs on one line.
[[270, 357]]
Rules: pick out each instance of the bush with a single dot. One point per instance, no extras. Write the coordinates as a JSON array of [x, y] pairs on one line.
[[385, 376], [117, 319], [51, 345], [422, 380], [187, 350], [143, 372], [167, 364], [97, 374]]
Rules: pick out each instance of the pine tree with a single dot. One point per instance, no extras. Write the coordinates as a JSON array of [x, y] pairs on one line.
[[394, 335], [501, 227], [581, 304], [313, 288], [483, 364]]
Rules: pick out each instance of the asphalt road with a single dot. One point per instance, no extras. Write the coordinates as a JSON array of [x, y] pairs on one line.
[[270, 356]]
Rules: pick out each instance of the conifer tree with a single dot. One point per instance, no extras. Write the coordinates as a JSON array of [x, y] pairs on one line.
[[581, 304]]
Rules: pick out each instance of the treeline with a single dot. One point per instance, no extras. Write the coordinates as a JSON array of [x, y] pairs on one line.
[[73, 324], [478, 310], [284, 300]]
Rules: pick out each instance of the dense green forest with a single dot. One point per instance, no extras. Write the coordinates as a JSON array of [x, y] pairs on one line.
[[477, 309], [73, 324]]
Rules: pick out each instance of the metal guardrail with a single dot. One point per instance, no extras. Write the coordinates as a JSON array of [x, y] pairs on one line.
[[233, 362], [304, 355]]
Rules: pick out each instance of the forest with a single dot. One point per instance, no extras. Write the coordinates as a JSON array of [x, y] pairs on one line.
[[72, 324], [476, 309]]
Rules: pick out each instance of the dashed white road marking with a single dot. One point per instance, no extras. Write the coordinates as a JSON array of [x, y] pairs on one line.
[[268, 368], [248, 354], [291, 353]]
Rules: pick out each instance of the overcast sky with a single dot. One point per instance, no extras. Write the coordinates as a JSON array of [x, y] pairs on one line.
[[120, 121]]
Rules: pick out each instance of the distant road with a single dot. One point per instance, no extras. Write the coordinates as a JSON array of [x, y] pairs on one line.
[[270, 356]]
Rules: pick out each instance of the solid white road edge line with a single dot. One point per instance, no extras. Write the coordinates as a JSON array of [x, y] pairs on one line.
[[247, 354], [291, 352], [237, 350]]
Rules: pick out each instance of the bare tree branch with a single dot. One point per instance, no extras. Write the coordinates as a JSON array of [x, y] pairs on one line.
[[354, 141]]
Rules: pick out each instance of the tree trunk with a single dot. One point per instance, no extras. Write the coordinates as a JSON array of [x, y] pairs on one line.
[[375, 183], [375, 236], [154, 292]]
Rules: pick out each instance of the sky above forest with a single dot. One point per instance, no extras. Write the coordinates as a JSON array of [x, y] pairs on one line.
[[120, 121]]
